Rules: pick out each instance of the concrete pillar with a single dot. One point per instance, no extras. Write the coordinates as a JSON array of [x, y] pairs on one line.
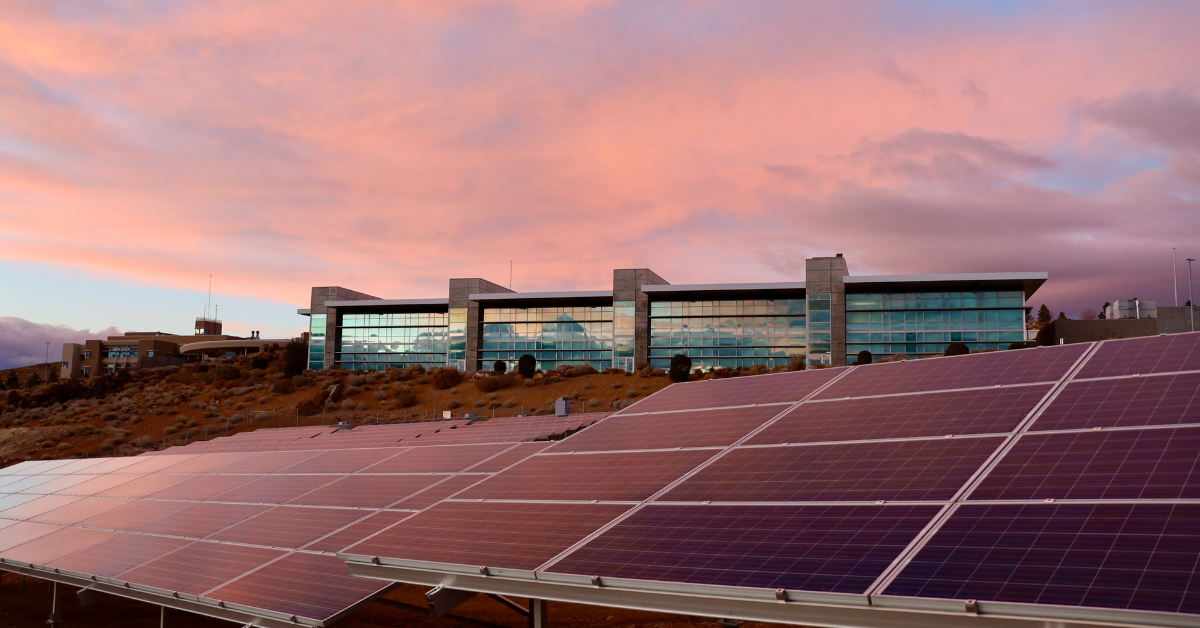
[[632, 338], [466, 320], [824, 276]]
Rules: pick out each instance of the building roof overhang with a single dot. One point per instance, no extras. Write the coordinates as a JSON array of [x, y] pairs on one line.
[[1028, 282], [544, 299], [767, 290], [391, 305]]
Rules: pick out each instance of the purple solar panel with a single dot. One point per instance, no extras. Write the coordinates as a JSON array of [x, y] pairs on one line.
[[604, 476], [367, 491], [145, 485], [202, 487], [56, 545], [98, 485], [343, 461], [200, 520], [134, 515], [695, 428], [199, 567], [307, 585], [987, 411], [58, 484], [8, 502], [1129, 402], [122, 552], [85, 508], [153, 464], [288, 526], [440, 491], [717, 393], [42, 504], [813, 548], [894, 471], [509, 458], [1153, 354], [24, 532], [356, 532], [1026, 366], [276, 489], [1125, 464], [206, 463], [489, 534], [1131, 556], [266, 462], [437, 459]]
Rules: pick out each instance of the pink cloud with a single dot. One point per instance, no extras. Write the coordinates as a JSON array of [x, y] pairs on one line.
[[25, 341], [387, 148]]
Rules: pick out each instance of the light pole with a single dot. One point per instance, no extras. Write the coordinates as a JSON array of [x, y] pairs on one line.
[[1191, 299]]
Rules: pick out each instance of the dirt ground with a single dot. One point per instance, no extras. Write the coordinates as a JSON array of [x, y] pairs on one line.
[[29, 605]]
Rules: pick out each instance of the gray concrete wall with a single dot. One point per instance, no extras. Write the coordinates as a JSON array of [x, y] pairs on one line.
[[627, 286], [1070, 332], [1175, 320], [460, 291], [825, 275]]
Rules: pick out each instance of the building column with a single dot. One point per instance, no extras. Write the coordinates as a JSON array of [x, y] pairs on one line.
[[631, 315], [466, 321], [826, 291]]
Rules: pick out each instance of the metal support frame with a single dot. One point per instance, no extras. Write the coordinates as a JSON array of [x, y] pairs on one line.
[[442, 600], [382, 601], [87, 595], [537, 614], [54, 619]]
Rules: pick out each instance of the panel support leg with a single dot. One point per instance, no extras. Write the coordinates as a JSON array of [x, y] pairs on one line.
[[537, 614], [162, 617], [53, 621]]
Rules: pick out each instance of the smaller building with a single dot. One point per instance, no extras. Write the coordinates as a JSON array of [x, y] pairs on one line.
[[136, 349], [1130, 308], [1178, 319]]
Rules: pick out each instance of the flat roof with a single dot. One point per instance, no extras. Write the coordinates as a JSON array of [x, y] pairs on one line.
[[1029, 281], [386, 302], [764, 290], [528, 299]]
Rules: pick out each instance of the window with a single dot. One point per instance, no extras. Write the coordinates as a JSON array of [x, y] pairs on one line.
[[150, 354], [64, 365], [87, 370], [87, 354]]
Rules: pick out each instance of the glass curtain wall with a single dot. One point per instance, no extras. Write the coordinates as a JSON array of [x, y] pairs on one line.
[[458, 338], [371, 342], [727, 334], [820, 335], [553, 335], [921, 324], [623, 332], [316, 341]]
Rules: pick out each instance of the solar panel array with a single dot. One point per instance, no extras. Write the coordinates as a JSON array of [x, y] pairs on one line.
[[253, 522], [1050, 476]]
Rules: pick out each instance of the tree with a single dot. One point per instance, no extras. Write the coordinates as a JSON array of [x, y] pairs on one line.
[[526, 365], [681, 366], [1062, 316], [33, 380], [1104, 309], [864, 357], [295, 358], [1088, 315], [500, 366], [13, 382], [52, 376], [1043, 314], [958, 348]]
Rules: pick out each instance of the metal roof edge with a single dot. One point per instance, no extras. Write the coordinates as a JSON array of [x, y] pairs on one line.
[[714, 287], [1019, 276], [378, 302], [517, 296]]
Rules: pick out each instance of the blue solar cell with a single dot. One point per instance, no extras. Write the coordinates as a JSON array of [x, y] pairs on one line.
[[1130, 556], [812, 548]]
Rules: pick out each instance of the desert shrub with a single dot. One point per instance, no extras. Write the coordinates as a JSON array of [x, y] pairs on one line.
[[353, 390], [170, 429], [620, 404], [592, 403], [759, 369], [526, 365], [494, 383], [283, 386], [454, 403], [259, 363], [295, 358], [381, 394], [479, 403], [577, 371], [681, 367], [443, 378], [357, 380], [406, 399], [227, 373], [631, 393], [798, 362], [348, 404], [957, 348]]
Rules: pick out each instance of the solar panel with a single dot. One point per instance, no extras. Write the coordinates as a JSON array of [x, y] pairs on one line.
[[489, 534], [276, 489], [1127, 556], [98, 485], [810, 548], [716, 393], [889, 470], [1129, 402], [24, 532], [202, 487], [1044, 364], [602, 476], [287, 526], [696, 428], [118, 554], [1154, 354], [134, 514], [77, 511], [1124, 464], [358, 531], [200, 520], [200, 566], [367, 491], [35, 507], [309, 585], [144, 485], [443, 459], [442, 490], [344, 461], [986, 411], [510, 457], [55, 545]]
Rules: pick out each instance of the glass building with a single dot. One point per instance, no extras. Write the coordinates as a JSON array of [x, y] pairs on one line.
[[829, 318]]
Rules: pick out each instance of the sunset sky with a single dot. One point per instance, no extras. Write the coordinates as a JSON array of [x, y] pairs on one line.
[[388, 146]]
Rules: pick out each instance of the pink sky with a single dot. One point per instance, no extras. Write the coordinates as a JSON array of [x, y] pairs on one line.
[[388, 146]]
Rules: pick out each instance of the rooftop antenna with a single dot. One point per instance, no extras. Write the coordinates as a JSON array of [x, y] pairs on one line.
[[510, 275], [209, 299]]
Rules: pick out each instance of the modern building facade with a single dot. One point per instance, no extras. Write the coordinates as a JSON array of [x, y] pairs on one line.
[[827, 318]]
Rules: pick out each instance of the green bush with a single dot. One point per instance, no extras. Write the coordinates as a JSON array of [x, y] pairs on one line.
[[681, 367]]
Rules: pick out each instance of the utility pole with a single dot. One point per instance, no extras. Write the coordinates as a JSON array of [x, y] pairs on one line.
[[1191, 298], [1175, 275], [47, 361]]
